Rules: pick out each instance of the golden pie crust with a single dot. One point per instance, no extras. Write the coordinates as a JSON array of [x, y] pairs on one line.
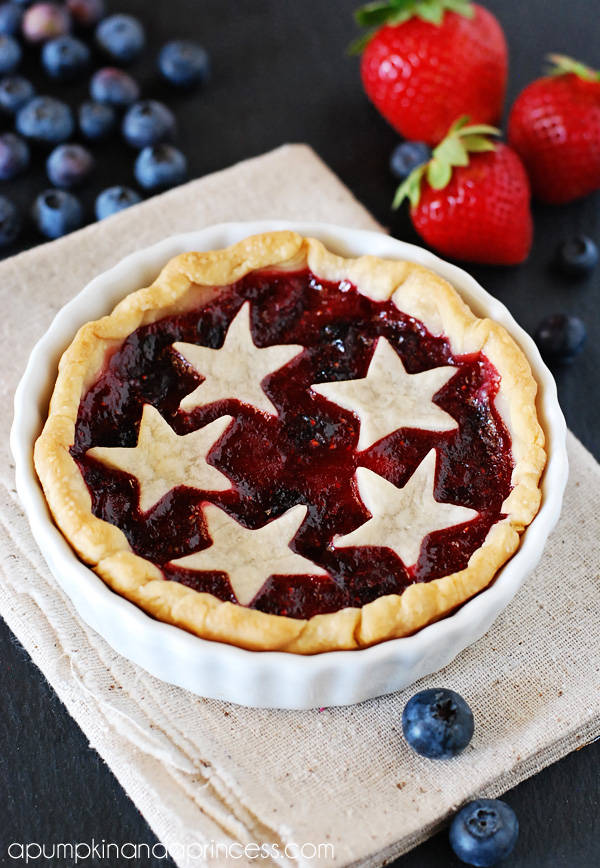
[[187, 282]]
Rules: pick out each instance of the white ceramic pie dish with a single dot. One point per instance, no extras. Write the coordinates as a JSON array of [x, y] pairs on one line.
[[267, 678]]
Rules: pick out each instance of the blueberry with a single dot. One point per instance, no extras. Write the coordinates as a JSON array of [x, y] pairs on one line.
[[56, 213], [97, 120], [115, 199], [577, 256], [15, 92], [10, 19], [147, 123], [184, 63], [484, 832], [14, 156], [159, 167], [44, 21], [115, 87], [69, 165], [121, 37], [560, 337], [437, 723], [45, 120], [10, 223], [86, 13], [10, 54], [407, 156], [65, 58]]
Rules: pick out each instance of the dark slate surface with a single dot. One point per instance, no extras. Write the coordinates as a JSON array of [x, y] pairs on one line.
[[280, 75]]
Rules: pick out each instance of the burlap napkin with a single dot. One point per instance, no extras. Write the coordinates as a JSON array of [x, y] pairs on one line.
[[211, 777]]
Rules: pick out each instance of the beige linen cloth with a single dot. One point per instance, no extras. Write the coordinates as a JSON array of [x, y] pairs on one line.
[[205, 771]]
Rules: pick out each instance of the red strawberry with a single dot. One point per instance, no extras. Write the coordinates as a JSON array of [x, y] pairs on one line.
[[471, 200], [555, 127], [431, 62]]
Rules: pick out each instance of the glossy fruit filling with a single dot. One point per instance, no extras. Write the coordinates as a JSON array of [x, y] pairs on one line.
[[305, 455]]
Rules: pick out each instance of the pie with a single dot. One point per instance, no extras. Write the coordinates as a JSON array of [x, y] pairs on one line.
[[282, 449]]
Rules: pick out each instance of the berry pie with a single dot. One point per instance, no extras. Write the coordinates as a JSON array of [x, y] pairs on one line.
[[282, 449]]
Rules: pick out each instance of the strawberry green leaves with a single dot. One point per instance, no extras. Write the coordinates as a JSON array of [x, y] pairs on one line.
[[563, 65], [462, 139], [395, 12]]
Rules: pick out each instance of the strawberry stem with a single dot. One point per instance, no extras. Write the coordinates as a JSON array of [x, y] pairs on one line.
[[395, 12], [562, 65], [461, 140]]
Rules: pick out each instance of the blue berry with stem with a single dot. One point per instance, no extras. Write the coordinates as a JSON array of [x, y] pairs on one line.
[[56, 213], [69, 165], [97, 120], [578, 256], [45, 120], [10, 19], [437, 723], [11, 54], [10, 222], [44, 21], [14, 156], [114, 87], [121, 37], [159, 167], [148, 122], [407, 156], [113, 200], [184, 63], [560, 337], [484, 832], [65, 58], [15, 92]]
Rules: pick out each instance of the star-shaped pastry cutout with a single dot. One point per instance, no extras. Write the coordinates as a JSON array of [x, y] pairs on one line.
[[163, 459], [237, 369], [389, 398], [249, 557], [403, 517]]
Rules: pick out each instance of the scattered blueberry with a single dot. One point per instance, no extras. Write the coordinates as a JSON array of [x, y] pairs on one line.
[[407, 156], [10, 19], [184, 63], [115, 87], [484, 832], [560, 337], [45, 120], [10, 54], [97, 120], [122, 37], [86, 13], [65, 57], [159, 167], [578, 256], [23, 3], [15, 92], [69, 165], [10, 223], [14, 156], [44, 21], [437, 723], [115, 199], [56, 213], [147, 123]]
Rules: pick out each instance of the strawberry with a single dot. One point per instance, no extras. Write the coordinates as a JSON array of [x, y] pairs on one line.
[[471, 200], [555, 127], [430, 62]]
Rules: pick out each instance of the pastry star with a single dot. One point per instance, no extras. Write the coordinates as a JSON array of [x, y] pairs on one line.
[[249, 557], [389, 398], [403, 517], [163, 459], [237, 369]]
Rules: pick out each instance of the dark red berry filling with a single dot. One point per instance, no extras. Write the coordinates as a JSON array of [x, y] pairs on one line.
[[307, 454]]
